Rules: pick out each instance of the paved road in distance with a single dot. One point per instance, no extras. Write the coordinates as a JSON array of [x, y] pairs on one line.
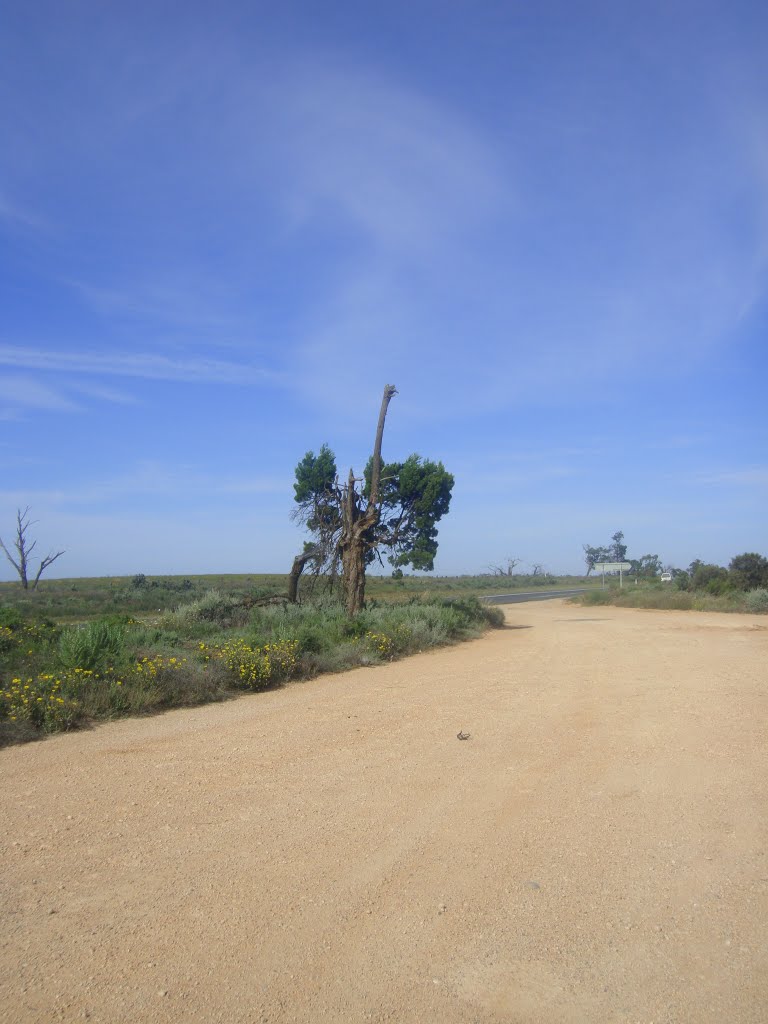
[[535, 596]]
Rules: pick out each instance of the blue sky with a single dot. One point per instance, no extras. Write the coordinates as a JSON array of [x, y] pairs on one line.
[[223, 228]]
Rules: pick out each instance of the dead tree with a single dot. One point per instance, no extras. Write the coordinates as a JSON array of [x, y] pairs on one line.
[[24, 549], [359, 520], [508, 570]]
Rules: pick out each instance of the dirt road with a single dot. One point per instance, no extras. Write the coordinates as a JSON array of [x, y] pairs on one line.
[[594, 852]]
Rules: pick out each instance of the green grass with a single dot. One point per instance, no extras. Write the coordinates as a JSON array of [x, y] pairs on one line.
[[81, 651]]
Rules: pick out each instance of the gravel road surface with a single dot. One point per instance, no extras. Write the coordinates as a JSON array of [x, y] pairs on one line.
[[594, 852]]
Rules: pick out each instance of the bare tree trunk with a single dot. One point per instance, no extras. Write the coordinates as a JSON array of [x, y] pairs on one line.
[[293, 578], [356, 525], [353, 568], [296, 570]]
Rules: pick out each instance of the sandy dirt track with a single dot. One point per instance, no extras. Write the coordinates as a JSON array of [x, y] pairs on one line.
[[595, 852]]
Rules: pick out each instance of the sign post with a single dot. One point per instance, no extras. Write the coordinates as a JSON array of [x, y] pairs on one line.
[[619, 567]]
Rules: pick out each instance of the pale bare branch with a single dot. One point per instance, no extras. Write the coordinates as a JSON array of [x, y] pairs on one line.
[[24, 548]]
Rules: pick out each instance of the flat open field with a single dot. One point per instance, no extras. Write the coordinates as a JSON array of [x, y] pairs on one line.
[[594, 852]]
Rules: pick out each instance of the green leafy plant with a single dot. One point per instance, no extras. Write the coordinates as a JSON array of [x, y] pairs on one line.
[[94, 646]]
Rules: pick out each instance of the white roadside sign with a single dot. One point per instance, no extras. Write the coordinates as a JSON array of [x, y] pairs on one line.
[[619, 567]]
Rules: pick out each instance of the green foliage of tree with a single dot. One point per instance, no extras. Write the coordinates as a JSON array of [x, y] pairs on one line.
[[647, 566], [315, 491], [315, 475], [414, 497], [709, 577], [682, 580], [616, 551], [748, 571], [593, 555], [618, 547]]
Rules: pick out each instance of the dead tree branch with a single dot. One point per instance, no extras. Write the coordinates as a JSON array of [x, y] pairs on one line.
[[24, 549]]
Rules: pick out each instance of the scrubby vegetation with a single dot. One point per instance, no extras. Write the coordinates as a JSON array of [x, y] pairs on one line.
[[77, 600], [742, 587], [59, 674]]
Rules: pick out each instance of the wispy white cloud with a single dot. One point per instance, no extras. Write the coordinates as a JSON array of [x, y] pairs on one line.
[[21, 392], [748, 476], [403, 187], [103, 394], [14, 214], [149, 366], [154, 480], [406, 171], [636, 263], [177, 303]]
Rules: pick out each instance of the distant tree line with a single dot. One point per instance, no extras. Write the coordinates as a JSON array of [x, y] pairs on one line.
[[616, 551], [748, 571], [745, 572]]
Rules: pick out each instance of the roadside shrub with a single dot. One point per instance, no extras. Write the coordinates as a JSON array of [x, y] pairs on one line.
[[594, 597], [729, 600], [224, 610], [380, 645], [336, 659], [254, 667], [26, 647], [654, 597], [757, 601], [94, 646], [151, 682], [38, 702], [116, 666], [492, 615], [401, 640], [310, 639], [356, 627]]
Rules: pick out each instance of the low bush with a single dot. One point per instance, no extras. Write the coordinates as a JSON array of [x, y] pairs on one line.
[[11, 618], [224, 611], [39, 702], [653, 597], [594, 597], [94, 646], [757, 600], [254, 668]]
